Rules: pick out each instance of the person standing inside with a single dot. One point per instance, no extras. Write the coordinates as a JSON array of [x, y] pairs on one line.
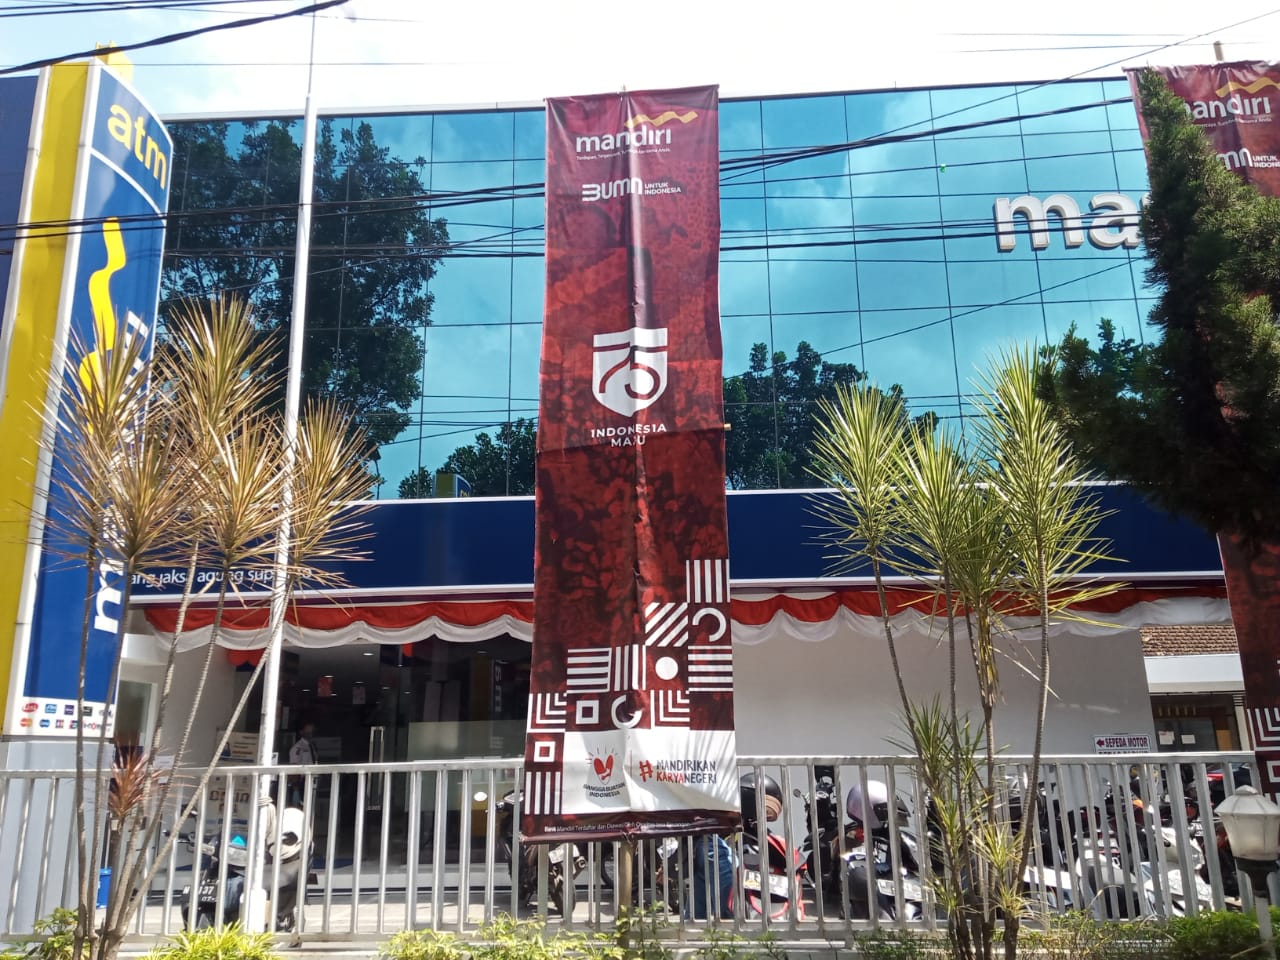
[[302, 753]]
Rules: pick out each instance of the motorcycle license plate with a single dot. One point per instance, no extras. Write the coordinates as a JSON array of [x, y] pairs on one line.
[[209, 892], [777, 883], [556, 854]]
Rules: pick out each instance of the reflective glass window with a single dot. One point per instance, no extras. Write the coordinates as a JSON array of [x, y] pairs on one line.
[[905, 168], [740, 127], [744, 285], [976, 283], [406, 137], [978, 333], [884, 255], [473, 292], [889, 285], [803, 121], [913, 349], [1073, 106], [528, 285], [530, 131], [974, 111], [806, 285], [1070, 163], [471, 137], [988, 166], [1086, 315], [738, 334], [526, 351], [871, 115]]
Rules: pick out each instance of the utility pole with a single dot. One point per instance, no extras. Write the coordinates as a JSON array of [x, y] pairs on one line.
[[255, 892]]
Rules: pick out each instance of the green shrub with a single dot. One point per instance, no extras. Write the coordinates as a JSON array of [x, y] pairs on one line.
[[56, 935], [506, 938], [722, 944], [217, 943], [1216, 935], [901, 945], [1076, 935], [423, 945]]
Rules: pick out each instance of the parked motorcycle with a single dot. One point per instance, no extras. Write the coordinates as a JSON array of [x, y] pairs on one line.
[[821, 851], [1204, 835], [564, 860], [767, 866], [873, 884], [1046, 879], [1122, 868], [285, 859], [658, 875], [205, 868]]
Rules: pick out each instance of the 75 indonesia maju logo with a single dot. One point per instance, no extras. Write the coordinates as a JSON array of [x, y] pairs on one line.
[[629, 368]]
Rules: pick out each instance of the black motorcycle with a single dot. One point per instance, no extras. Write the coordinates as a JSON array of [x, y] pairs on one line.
[[821, 851], [767, 865], [564, 860], [876, 883], [212, 910]]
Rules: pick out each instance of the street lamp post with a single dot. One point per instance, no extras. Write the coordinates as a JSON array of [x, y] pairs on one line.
[[1252, 823]]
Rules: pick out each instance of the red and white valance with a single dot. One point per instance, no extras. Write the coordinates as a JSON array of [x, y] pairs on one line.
[[809, 616]]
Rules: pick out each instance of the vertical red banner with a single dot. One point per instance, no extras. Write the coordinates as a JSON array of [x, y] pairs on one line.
[[1237, 105], [630, 726]]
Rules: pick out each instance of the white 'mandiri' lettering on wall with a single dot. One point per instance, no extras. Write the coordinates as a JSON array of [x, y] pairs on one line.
[[1114, 222]]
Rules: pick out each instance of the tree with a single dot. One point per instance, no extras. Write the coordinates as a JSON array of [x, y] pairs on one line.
[[500, 466], [419, 484], [1193, 420], [374, 248], [770, 408]]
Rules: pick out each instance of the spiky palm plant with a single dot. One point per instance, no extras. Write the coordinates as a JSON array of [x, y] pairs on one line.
[[984, 528], [108, 502], [175, 460], [1051, 521], [856, 449]]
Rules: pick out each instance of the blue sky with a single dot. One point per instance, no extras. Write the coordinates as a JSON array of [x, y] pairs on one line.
[[411, 52]]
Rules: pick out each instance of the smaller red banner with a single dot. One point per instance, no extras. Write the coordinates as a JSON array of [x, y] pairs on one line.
[[1237, 105]]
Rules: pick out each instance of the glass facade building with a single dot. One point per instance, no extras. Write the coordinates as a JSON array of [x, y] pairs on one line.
[[908, 233]]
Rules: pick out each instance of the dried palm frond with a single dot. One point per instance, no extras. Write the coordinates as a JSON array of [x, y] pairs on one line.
[[328, 475], [217, 364]]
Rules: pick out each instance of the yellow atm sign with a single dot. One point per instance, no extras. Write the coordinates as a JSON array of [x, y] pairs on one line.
[[129, 138]]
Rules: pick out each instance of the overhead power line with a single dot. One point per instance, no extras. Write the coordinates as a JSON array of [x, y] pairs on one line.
[[174, 37], [24, 11], [731, 169], [1103, 66]]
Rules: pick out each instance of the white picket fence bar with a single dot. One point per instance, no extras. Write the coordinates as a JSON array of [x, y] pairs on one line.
[[395, 846]]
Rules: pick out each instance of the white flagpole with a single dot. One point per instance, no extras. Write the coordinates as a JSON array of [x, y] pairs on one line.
[[256, 918]]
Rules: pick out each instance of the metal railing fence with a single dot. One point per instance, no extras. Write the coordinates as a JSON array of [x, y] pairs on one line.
[[391, 846]]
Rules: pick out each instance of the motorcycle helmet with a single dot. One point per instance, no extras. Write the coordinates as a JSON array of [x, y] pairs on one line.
[[877, 805], [772, 796]]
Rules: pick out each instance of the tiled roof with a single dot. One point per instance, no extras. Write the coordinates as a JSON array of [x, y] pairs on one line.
[[1188, 640]]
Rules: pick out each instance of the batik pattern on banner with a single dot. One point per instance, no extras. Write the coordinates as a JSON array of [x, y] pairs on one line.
[[1237, 105], [630, 727]]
